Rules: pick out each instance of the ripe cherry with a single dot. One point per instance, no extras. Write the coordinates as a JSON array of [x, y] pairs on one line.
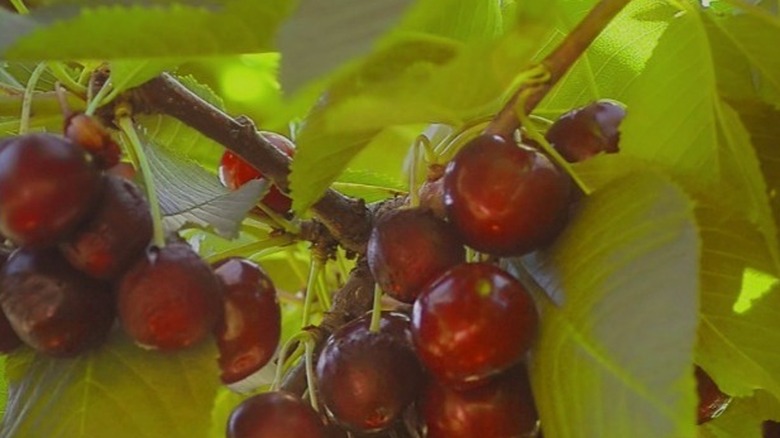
[[502, 408], [9, 340], [367, 379], [248, 332], [712, 401], [770, 429], [103, 247], [235, 172], [410, 247], [504, 199], [274, 415], [471, 323], [169, 299], [54, 308], [587, 131], [47, 187]]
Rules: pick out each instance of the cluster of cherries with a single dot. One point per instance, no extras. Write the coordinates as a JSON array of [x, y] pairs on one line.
[[80, 258]]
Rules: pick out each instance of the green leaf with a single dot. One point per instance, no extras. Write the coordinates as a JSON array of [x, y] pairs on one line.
[[742, 418], [161, 29], [188, 194], [677, 119], [118, 390], [614, 357], [126, 74], [468, 21], [368, 186], [614, 60], [414, 78]]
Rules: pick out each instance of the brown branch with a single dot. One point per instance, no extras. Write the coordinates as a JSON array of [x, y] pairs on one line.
[[347, 219], [557, 64]]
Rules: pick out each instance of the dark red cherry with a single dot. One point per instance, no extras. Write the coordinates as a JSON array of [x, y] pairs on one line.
[[367, 379], [90, 134], [471, 323], [504, 199], [583, 132], [248, 332], [712, 401], [235, 172], [770, 429], [115, 236], [410, 247], [274, 415], [9, 340], [54, 308], [170, 298], [47, 187], [502, 408]]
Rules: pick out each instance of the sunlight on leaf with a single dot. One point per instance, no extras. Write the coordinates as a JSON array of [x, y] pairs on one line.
[[755, 284]]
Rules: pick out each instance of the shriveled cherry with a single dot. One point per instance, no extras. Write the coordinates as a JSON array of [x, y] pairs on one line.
[[235, 172], [248, 332], [471, 323], [90, 134], [502, 408], [410, 247], [169, 299], [367, 379], [505, 199], [54, 308], [115, 236], [712, 401], [583, 132], [274, 415], [47, 187]]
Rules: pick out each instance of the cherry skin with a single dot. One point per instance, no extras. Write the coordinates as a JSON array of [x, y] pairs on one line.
[[471, 323], [51, 306], [47, 187], [235, 172], [502, 408], [87, 132], [584, 132], [367, 379], [9, 340], [248, 332], [169, 299], [712, 401], [410, 247], [102, 247], [770, 429], [504, 199], [274, 415]]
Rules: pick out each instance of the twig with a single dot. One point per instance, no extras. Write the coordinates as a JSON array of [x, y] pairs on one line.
[[557, 64], [347, 219]]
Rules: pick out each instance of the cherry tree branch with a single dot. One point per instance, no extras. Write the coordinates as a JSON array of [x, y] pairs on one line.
[[557, 63], [347, 219]]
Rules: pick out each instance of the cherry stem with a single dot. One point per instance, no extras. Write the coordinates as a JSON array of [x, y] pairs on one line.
[[126, 124], [287, 225], [414, 196], [281, 358], [20, 7], [310, 376], [252, 248], [24, 124], [376, 310], [59, 72], [557, 63], [311, 283], [98, 99]]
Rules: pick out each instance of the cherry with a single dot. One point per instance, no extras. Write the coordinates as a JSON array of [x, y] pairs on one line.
[[90, 134], [410, 247], [169, 299], [587, 131], [235, 172], [9, 340], [47, 187], [248, 332], [471, 323], [712, 401], [502, 408], [770, 429], [51, 306], [367, 379], [103, 247], [274, 415], [504, 199]]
